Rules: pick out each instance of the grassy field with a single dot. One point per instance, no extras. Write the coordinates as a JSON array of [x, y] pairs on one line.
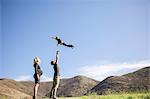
[[114, 96]]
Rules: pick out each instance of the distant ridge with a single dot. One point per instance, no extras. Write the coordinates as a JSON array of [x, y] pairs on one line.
[[12, 89], [76, 86], [138, 81]]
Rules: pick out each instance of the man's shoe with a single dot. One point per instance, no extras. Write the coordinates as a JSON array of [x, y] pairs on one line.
[[33, 97]]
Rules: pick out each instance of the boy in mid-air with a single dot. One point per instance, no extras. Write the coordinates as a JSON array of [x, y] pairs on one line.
[[61, 42]]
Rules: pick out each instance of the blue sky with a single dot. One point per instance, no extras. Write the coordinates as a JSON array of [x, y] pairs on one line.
[[104, 32], [0, 37]]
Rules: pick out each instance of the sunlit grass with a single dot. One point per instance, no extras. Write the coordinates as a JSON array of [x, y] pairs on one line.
[[114, 96], [94, 96]]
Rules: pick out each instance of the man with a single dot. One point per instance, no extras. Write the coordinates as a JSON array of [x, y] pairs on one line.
[[56, 78], [37, 75]]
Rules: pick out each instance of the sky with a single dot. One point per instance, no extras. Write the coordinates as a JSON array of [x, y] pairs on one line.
[[111, 37], [0, 36]]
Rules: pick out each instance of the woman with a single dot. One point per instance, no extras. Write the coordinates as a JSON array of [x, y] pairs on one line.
[[37, 74]]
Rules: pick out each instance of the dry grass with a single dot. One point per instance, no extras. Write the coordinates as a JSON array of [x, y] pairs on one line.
[[114, 96]]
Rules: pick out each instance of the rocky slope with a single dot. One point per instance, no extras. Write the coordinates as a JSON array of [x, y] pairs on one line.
[[138, 81]]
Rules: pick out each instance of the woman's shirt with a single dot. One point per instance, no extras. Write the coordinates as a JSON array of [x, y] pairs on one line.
[[38, 69]]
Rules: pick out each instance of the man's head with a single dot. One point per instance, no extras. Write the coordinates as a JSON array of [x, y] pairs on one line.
[[37, 60], [52, 62]]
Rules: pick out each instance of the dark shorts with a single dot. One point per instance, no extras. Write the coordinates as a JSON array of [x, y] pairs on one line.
[[37, 80]]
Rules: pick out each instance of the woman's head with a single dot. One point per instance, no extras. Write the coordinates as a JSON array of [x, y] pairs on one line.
[[37, 60]]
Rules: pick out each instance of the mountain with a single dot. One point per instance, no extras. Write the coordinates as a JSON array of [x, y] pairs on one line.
[[138, 81], [13, 90], [44, 88], [76, 86]]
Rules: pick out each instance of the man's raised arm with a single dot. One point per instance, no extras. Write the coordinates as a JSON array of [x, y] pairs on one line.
[[57, 56]]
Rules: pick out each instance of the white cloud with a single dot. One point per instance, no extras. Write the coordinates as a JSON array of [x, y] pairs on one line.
[[100, 72], [45, 78], [24, 78], [30, 78]]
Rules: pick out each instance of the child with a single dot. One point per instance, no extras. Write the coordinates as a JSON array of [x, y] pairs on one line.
[[59, 41]]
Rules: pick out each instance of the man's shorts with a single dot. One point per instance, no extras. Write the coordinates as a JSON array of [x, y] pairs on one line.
[[56, 81]]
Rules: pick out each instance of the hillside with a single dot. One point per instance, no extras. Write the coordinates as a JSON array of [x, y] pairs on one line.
[[76, 86], [138, 81], [43, 89], [13, 90]]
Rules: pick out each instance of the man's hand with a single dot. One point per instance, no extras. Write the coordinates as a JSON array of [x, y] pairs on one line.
[[57, 52], [57, 56]]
